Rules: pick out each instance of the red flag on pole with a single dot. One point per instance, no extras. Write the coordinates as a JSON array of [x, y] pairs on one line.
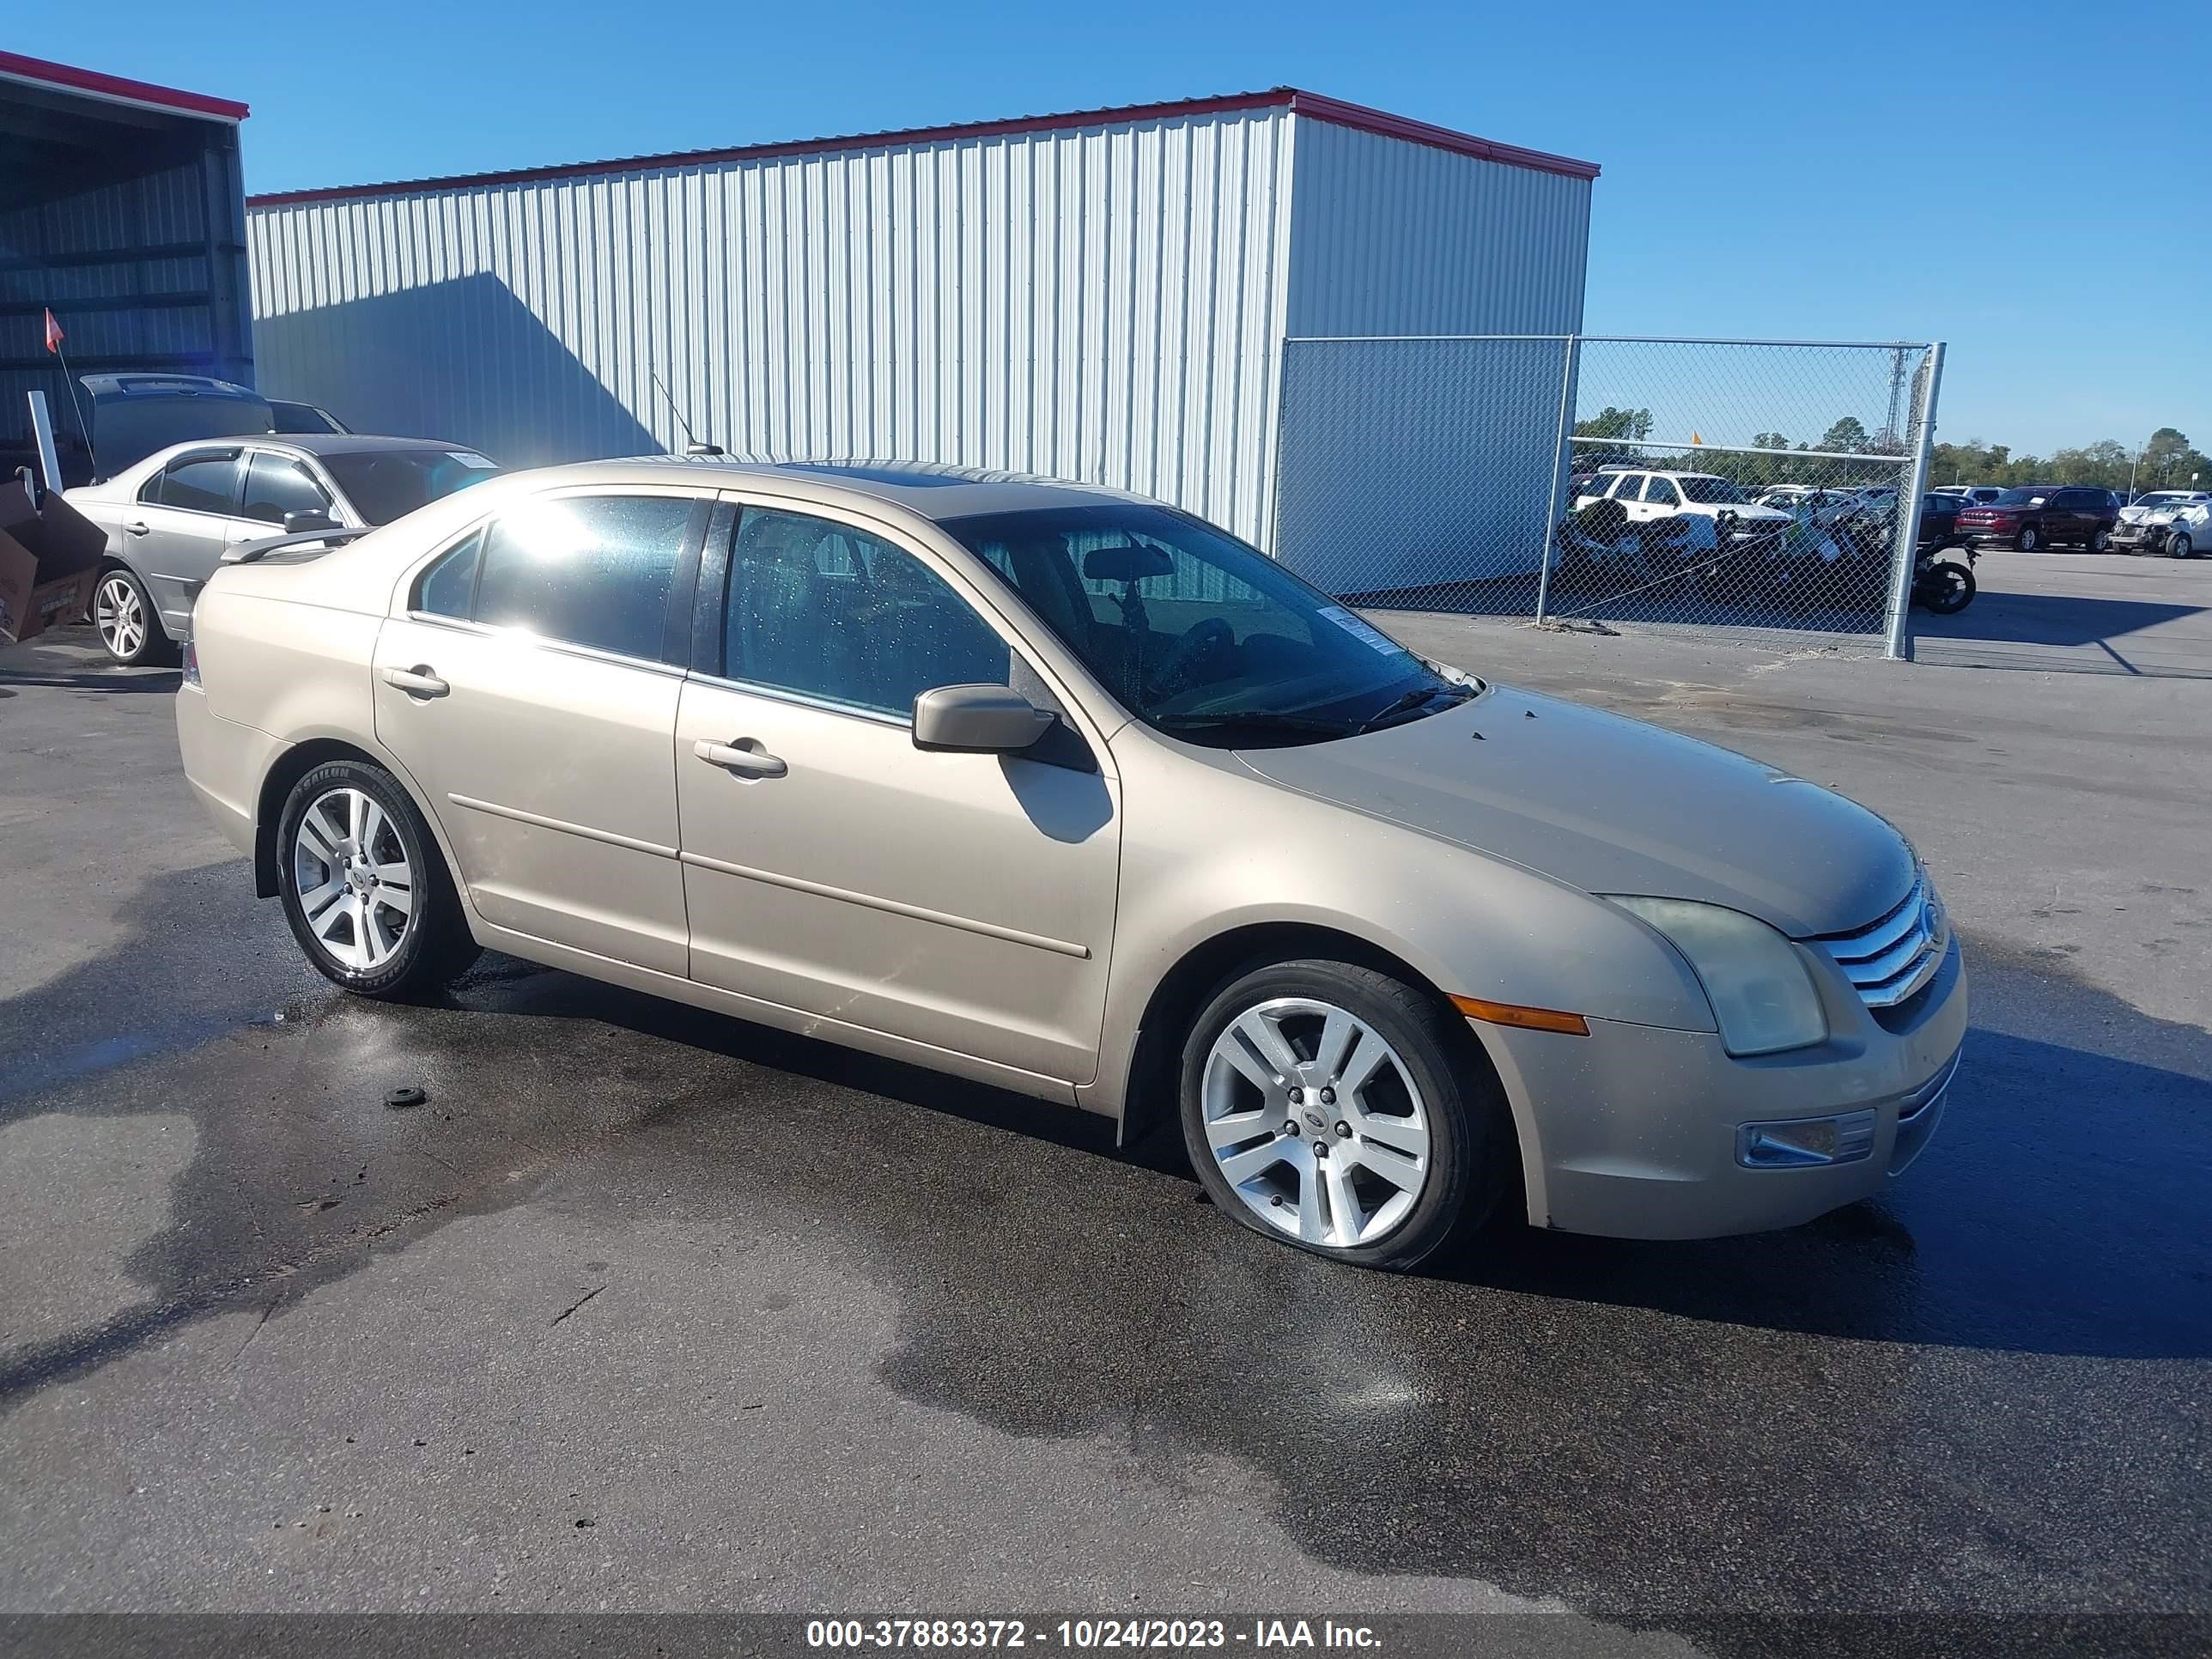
[[53, 333]]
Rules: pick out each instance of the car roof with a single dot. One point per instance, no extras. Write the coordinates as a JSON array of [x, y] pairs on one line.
[[928, 490]]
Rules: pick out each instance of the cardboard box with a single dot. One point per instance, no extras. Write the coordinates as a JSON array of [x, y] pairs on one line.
[[49, 559]]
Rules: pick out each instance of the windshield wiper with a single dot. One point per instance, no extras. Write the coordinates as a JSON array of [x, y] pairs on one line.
[[1413, 700], [1264, 720]]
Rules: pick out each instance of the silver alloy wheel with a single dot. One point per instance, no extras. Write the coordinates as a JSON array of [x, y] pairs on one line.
[[2028, 539], [117, 616], [2178, 546], [356, 885], [1316, 1123]]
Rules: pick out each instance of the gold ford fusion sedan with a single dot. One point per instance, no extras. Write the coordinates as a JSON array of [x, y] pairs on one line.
[[1066, 792]]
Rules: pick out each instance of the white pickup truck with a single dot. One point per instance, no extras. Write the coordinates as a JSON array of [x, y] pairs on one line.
[[1698, 498]]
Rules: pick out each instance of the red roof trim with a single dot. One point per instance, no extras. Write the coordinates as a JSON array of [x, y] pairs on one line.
[[117, 88], [1336, 110], [1309, 104]]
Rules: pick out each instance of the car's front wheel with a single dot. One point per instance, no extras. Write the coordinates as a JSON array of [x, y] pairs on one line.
[[2029, 538], [2177, 545], [124, 617], [1336, 1109], [364, 885]]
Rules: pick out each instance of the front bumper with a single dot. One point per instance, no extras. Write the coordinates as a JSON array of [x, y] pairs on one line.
[[1634, 1131]]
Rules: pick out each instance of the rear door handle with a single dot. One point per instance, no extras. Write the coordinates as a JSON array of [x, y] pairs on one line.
[[416, 681], [140, 528], [746, 762]]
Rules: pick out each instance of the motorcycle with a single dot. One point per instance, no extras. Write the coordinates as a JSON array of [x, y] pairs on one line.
[[1943, 584]]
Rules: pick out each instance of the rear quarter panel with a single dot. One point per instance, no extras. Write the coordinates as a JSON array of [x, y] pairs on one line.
[[295, 671]]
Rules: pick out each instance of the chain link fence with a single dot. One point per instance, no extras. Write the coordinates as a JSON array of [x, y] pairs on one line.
[[1745, 488]]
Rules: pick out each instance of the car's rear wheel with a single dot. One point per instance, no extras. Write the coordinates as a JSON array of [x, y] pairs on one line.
[[2178, 546], [1338, 1110], [124, 617], [2101, 542], [364, 886], [2029, 538]]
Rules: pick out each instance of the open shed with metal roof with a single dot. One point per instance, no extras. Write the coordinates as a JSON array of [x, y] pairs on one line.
[[1101, 295], [123, 212]]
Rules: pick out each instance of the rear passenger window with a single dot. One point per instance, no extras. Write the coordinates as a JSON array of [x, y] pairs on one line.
[[449, 588], [201, 483], [590, 570]]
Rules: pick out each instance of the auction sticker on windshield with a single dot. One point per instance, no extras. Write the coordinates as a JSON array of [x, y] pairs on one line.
[[1360, 631]]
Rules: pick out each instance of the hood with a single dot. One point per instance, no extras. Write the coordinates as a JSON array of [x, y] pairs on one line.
[[1749, 510], [1614, 805], [134, 415]]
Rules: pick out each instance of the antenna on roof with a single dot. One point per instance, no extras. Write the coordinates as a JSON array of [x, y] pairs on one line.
[[692, 446]]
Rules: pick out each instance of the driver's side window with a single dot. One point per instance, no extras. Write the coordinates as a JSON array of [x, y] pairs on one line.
[[825, 610]]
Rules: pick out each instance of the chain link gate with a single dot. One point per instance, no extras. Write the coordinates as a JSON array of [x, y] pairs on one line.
[[1751, 488]]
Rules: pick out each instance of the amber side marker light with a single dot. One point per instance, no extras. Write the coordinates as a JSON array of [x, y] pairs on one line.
[[1512, 1013]]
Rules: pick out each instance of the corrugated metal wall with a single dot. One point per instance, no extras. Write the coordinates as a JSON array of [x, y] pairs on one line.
[[1388, 237], [1106, 303], [1100, 303], [141, 272], [1411, 466]]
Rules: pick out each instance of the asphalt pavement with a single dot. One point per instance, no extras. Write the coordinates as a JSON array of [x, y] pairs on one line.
[[649, 1310]]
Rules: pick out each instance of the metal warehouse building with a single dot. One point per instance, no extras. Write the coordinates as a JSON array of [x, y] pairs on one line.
[[121, 209], [1102, 296]]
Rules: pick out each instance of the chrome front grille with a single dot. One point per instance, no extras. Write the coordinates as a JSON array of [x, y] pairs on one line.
[[1889, 961]]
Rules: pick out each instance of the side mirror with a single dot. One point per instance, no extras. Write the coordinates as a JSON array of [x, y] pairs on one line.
[[299, 523], [984, 719]]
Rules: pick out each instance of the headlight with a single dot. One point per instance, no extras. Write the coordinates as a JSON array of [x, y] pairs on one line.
[[1763, 998]]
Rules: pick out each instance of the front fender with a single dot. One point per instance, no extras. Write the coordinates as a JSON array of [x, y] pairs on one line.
[[1214, 849]]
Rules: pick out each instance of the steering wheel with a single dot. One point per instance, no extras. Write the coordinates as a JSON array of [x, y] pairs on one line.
[[1196, 649]]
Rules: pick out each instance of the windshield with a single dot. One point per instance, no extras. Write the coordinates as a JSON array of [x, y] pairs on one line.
[[384, 485], [2021, 498], [2164, 498], [1197, 634], [1709, 491]]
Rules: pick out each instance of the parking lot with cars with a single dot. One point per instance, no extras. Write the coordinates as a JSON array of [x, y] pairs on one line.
[[646, 1307]]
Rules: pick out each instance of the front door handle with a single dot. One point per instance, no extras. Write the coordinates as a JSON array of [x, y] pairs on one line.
[[416, 681], [746, 762], [139, 528]]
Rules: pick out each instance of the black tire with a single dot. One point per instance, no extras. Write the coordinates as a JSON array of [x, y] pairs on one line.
[[2029, 540], [2101, 540], [117, 597], [1471, 1144], [2177, 545], [1948, 589], [434, 945]]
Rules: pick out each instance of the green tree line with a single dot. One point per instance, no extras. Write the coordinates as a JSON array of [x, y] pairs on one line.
[[2165, 461]]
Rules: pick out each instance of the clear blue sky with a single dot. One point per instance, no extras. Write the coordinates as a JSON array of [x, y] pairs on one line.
[[2030, 180]]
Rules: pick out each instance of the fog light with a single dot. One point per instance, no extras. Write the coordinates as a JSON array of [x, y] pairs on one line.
[[1801, 1142]]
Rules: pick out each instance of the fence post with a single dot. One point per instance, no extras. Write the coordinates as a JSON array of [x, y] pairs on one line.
[[1560, 447], [1908, 516]]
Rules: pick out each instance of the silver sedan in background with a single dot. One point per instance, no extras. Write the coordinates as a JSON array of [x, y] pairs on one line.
[[1066, 792], [171, 518]]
